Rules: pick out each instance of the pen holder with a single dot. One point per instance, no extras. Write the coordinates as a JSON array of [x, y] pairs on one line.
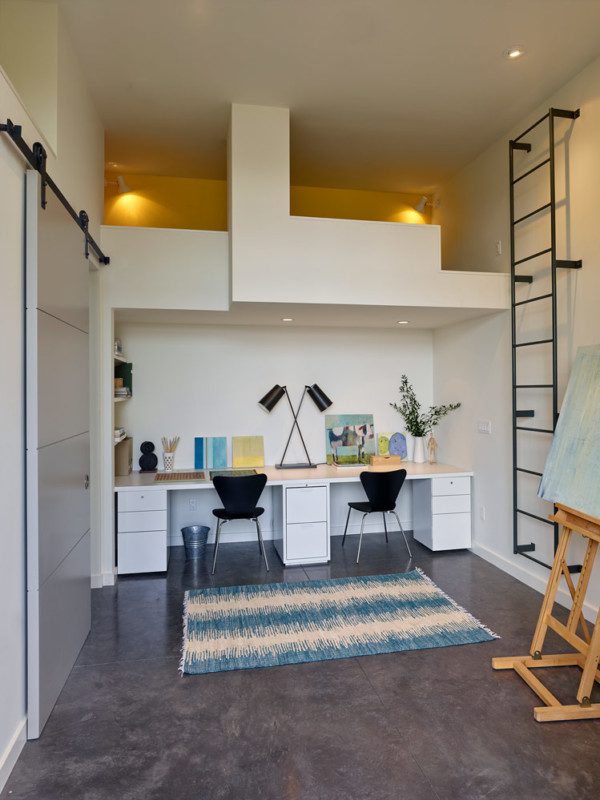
[[169, 462]]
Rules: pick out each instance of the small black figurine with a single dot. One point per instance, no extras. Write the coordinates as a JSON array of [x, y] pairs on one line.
[[148, 460]]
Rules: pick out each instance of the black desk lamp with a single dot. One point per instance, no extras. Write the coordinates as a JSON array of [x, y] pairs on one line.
[[270, 400]]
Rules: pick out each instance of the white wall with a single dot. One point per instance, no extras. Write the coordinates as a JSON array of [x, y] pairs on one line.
[[279, 258], [207, 380], [29, 57], [484, 376], [79, 173]]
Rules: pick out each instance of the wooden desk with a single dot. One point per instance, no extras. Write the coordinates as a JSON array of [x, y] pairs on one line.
[[301, 511]]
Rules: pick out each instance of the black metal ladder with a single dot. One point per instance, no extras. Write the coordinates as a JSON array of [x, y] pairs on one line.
[[518, 412]]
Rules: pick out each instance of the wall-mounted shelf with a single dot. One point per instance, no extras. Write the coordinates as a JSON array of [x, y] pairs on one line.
[[121, 399], [119, 359]]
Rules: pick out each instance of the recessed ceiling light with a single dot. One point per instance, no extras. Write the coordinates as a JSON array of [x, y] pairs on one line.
[[287, 319], [514, 52], [402, 322]]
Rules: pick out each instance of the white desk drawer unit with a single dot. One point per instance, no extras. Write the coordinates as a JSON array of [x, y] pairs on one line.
[[142, 532], [442, 512], [305, 535]]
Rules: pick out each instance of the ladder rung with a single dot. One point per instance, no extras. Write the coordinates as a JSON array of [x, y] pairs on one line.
[[531, 127], [525, 413], [523, 278], [528, 344], [535, 255], [533, 299], [533, 169], [567, 264], [535, 430], [534, 516], [532, 213], [529, 471], [534, 386]]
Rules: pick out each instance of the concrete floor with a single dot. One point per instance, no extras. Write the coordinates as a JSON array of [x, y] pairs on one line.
[[426, 724]]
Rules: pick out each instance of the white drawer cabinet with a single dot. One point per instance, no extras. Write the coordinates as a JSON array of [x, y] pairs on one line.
[[142, 532], [442, 512], [304, 537]]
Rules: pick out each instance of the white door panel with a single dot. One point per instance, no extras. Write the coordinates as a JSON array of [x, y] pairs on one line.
[[64, 502], [63, 379], [57, 443]]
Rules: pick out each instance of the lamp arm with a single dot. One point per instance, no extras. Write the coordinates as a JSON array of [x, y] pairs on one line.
[[295, 424]]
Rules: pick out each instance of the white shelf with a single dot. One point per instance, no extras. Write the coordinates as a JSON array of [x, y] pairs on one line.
[[121, 399], [119, 359]]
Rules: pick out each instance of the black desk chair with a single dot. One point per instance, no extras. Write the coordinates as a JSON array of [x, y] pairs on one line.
[[239, 496], [382, 489]]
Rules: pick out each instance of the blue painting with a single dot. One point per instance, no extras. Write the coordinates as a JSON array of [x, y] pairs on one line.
[[216, 452], [199, 452], [573, 464], [397, 446], [349, 439]]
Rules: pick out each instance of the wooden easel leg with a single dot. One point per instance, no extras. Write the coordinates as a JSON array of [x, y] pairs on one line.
[[591, 665], [550, 596], [576, 615]]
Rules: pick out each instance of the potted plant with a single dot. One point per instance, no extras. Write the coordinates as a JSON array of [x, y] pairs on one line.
[[419, 423]]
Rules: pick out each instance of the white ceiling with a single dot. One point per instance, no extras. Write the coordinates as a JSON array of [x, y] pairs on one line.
[[306, 315], [384, 94]]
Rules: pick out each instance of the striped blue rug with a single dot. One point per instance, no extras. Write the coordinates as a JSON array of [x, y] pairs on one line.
[[243, 627]]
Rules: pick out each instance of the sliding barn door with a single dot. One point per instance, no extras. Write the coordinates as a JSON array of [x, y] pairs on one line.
[[57, 442]]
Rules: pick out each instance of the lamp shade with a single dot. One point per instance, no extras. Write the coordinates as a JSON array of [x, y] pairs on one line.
[[318, 397], [272, 397]]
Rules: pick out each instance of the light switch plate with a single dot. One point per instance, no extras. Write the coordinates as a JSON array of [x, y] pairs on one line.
[[484, 426]]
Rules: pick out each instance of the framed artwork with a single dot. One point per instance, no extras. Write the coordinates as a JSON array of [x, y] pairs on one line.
[[349, 439]]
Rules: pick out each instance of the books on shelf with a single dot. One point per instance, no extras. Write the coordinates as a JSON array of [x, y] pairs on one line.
[[122, 391]]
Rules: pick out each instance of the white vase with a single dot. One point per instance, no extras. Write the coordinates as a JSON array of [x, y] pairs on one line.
[[169, 462], [419, 450]]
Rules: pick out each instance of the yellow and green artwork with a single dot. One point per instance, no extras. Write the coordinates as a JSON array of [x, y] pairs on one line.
[[247, 451]]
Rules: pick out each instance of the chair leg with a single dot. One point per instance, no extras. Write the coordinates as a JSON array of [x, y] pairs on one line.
[[385, 527], [346, 528], [362, 527], [403, 534], [261, 544], [217, 537]]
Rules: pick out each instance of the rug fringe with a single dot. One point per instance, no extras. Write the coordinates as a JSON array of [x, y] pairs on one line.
[[456, 605], [186, 599]]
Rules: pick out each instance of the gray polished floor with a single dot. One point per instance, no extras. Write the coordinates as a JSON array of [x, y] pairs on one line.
[[426, 724]]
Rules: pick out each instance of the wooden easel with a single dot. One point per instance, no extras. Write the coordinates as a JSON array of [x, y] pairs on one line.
[[588, 647]]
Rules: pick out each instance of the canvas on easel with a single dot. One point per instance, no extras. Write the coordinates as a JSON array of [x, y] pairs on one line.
[[570, 481]]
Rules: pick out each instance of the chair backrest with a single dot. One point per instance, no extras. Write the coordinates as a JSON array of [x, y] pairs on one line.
[[239, 494], [383, 488]]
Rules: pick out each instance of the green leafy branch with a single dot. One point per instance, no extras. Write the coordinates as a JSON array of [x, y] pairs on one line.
[[419, 423]]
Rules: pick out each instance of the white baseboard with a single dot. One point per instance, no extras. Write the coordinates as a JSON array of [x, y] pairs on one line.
[[9, 757], [521, 573]]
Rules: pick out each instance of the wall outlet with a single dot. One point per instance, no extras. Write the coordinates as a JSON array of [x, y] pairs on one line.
[[498, 248], [193, 504], [484, 426], [482, 513]]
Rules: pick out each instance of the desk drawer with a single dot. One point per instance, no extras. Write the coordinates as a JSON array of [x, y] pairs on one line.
[[451, 485], [142, 552], [451, 531], [306, 504], [306, 541], [450, 503], [142, 521], [152, 500]]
